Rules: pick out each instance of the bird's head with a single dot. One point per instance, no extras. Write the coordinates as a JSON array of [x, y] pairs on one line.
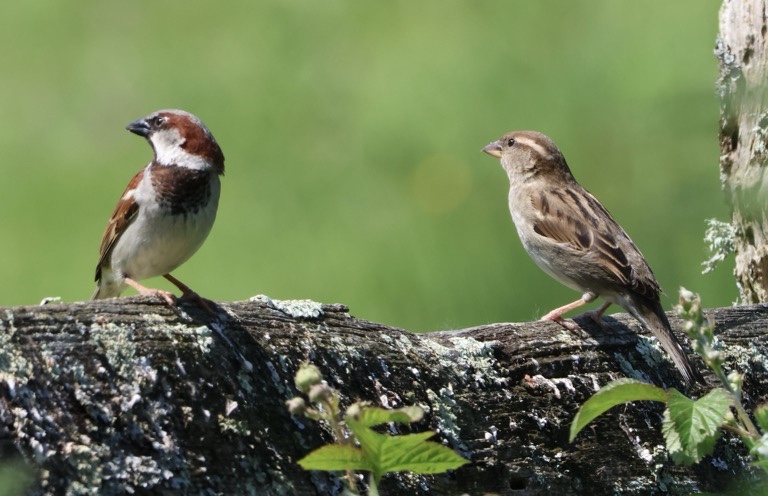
[[180, 138], [529, 153]]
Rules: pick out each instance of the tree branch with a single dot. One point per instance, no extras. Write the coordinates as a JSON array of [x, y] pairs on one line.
[[127, 395]]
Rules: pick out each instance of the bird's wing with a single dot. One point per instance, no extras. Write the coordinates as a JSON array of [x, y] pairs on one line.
[[575, 218], [124, 213]]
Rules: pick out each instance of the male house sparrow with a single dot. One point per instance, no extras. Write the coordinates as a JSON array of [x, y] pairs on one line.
[[167, 210], [574, 239]]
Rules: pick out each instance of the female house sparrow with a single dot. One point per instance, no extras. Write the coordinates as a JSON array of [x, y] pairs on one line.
[[574, 239], [167, 210]]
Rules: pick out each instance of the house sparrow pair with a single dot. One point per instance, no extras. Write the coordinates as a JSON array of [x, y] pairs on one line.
[[169, 207], [574, 239]]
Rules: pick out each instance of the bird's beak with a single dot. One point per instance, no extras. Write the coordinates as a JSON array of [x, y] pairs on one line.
[[140, 127], [493, 148]]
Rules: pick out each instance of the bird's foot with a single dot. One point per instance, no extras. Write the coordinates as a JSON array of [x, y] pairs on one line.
[[597, 316], [556, 315], [188, 294], [557, 318], [166, 296]]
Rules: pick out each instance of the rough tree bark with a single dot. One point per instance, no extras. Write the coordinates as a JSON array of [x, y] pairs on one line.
[[742, 49], [128, 396]]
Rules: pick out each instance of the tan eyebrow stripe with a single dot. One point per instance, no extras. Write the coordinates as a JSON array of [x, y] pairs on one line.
[[535, 146]]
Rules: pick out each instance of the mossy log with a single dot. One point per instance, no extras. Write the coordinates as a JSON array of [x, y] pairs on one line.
[[129, 396]]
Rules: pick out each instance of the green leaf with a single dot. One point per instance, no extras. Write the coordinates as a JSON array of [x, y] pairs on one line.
[[371, 442], [761, 464], [759, 450], [691, 427], [612, 394], [423, 457], [411, 452], [371, 416], [334, 457], [761, 417]]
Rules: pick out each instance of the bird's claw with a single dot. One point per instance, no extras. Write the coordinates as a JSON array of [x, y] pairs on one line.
[[558, 319]]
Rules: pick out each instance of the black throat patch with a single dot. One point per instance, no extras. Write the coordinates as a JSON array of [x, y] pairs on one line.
[[180, 189]]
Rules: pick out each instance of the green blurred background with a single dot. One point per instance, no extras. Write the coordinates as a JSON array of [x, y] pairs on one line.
[[352, 131]]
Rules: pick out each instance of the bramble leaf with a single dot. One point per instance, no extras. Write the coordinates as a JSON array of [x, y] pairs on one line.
[[372, 416], [411, 452], [612, 394], [760, 451], [691, 427], [334, 457], [421, 457], [761, 417]]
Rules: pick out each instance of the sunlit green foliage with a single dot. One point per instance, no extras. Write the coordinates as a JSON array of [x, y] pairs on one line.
[[691, 426], [357, 446]]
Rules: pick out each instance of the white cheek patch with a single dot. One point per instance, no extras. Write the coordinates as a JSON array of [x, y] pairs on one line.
[[533, 145], [167, 138], [168, 148], [167, 144]]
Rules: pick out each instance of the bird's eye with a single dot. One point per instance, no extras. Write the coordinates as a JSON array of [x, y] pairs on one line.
[[511, 142], [157, 121]]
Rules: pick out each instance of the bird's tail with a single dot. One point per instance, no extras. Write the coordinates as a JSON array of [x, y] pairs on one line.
[[653, 318], [99, 294], [106, 290]]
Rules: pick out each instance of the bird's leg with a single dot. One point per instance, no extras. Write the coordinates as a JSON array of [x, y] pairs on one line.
[[556, 315], [186, 292], [145, 291]]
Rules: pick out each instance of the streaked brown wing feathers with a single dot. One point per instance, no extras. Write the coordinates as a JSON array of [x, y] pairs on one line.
[[577, 219], [124, 212]]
